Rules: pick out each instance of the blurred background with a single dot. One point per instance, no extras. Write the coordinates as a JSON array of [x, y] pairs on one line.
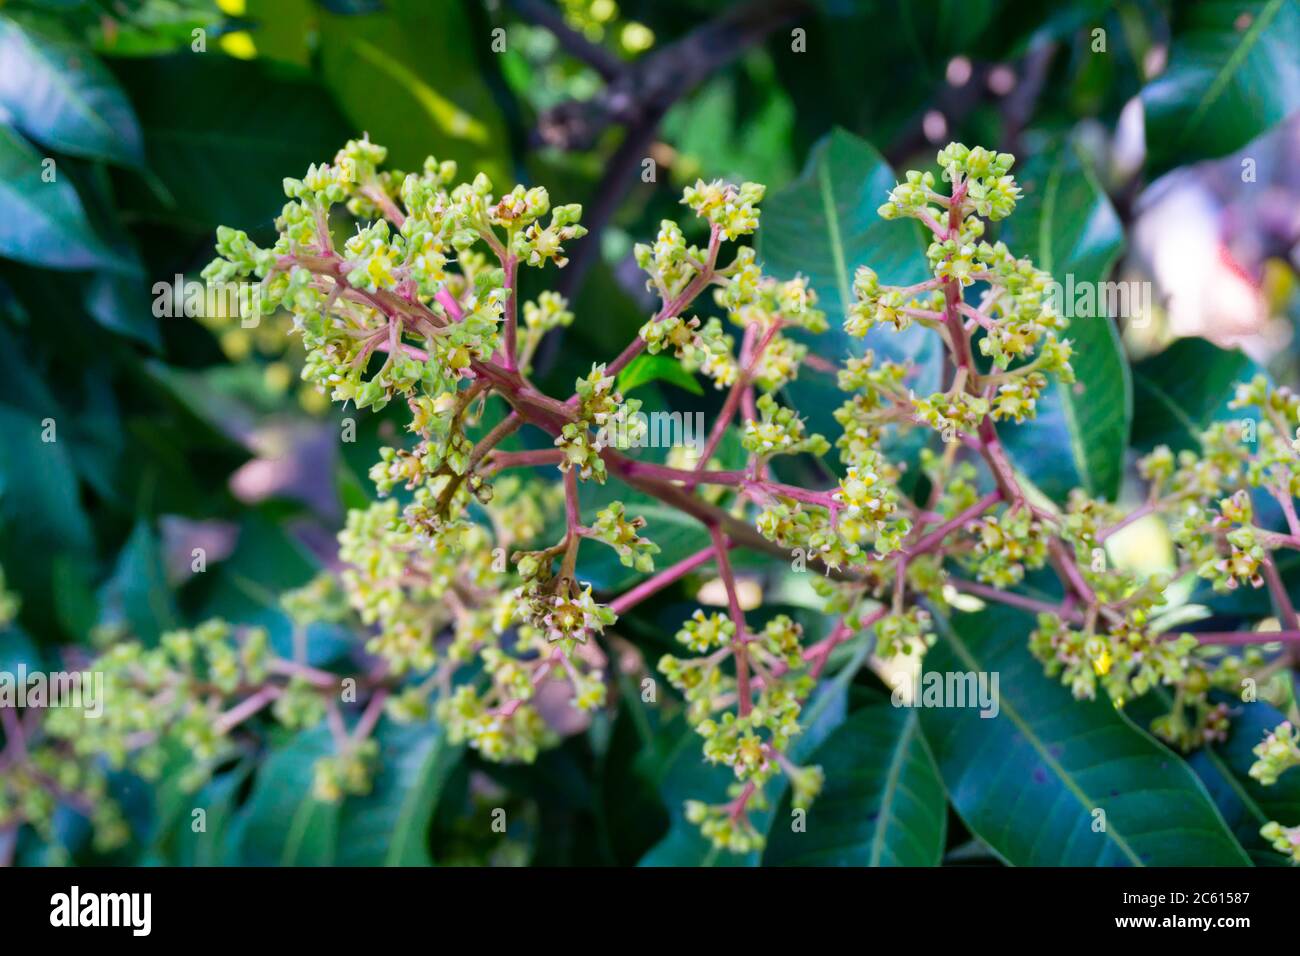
[[130, 130]]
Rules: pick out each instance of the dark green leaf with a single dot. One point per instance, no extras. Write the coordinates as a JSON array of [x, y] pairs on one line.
[[42, 221], [117, 301], [283, 824], [882, 804], [1232, 74], [137, 595], [1029, 780], [222, 134], [1224, 768], [41, 515], [631, 812], [59, 94], [390, 825], [1171, 406]]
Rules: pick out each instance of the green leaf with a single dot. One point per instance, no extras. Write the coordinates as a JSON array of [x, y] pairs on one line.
[[1224, 768], [647, 368], [1028, 780], [174, 841], [882, 804], [137, 594], [631, 813], [117, 301], [42, 221], [283, 824], [739, 125], [412, 78], [1171, 406], [390, 825], [1065, 223], [41, 515], [59, 94], [1232, 74], [283, 29], [824, 225], [222, 134]]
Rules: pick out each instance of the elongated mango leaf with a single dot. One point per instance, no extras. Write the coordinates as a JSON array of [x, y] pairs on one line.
[[1051, 781], [1233, 73], [178, 835], [42, 221], [59, 94], [390, 825], [882, 804], [217, 798], [283, 824], [1245, 803], [824, 226], [1065, 223], [1171, 407]]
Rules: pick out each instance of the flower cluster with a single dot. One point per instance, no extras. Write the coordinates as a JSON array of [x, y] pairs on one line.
[[1278, 753], [753, 741], [465, 583], [420, 305]]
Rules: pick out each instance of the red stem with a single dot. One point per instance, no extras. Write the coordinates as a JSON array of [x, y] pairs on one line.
[[744, 699], [738, 389], [935, 537], [511, 347], [653, 585]]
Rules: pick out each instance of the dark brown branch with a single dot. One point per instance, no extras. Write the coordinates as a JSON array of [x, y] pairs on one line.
[[646, 88], [542, 14]]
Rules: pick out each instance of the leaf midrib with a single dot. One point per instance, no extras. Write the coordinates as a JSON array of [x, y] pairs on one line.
[[406, 811], [1224, 75], [826, 190], [891, 786]]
